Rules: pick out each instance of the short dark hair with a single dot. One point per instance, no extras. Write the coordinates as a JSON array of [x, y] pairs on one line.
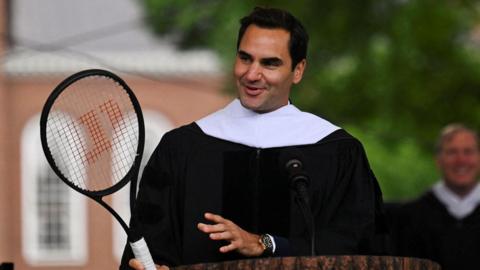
[[449, 131], [277, 18]]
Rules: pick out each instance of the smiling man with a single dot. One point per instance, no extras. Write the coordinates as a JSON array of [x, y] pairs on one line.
[[218, 189], [443, 224], [458, 160], [264, 69]]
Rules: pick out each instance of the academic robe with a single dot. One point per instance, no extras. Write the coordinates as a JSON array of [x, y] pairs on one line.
[[191, 173], [424, 228]]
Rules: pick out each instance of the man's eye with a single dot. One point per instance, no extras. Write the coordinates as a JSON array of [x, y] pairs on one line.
[[451, 152], [244, 58], [272, 63], [470, 151]]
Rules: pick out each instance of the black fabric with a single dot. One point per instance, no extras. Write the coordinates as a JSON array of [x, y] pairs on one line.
[[423, 228], [282, 247], [250, 194], [191, 173]]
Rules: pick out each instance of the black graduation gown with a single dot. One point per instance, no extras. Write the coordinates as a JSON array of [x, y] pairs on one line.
[[191, 173], [423, 228]]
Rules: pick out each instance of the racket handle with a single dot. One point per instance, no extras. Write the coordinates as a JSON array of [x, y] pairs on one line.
[[141, 252]]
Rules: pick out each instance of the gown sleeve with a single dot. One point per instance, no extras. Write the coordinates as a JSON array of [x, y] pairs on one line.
[[156, 211]]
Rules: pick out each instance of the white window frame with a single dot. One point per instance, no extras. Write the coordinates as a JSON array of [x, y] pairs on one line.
[[33, 162]]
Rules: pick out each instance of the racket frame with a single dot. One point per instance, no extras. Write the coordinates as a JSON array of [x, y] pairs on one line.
[[132, 173]]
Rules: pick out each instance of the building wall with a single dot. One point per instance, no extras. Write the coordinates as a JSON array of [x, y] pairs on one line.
[[6, 253]]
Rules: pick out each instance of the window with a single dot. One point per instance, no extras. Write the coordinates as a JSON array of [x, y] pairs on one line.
[[54, 228], [52, 211]]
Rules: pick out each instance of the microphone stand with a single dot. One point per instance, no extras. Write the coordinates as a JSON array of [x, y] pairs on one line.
[[290, 160], [300, 183]]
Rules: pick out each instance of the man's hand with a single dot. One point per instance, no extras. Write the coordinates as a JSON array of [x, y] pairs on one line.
[[240, 240], [137, 265]]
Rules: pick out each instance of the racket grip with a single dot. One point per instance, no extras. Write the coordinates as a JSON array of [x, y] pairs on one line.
[[141, 252]]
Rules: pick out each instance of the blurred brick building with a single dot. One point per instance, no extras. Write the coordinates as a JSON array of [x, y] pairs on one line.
[[43, 225]]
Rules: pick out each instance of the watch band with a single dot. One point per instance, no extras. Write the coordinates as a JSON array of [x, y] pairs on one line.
[[267, 243]]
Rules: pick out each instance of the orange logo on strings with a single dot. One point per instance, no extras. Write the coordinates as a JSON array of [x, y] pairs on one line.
[[101, 142]]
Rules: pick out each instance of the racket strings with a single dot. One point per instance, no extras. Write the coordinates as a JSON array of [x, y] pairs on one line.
[[92, 133]]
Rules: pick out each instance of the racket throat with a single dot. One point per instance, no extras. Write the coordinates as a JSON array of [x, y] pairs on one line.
[[115, 214]]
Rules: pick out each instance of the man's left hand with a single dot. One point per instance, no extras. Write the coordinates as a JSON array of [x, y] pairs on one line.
[[240, 240]]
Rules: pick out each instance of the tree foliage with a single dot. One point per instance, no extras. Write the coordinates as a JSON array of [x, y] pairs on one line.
[[392, 71]]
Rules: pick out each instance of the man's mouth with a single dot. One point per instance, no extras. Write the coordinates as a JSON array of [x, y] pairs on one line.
[[462, 170], [253, 90]]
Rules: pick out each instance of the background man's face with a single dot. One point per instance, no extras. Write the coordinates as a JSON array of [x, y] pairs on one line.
[[459, 160], [263, 69]]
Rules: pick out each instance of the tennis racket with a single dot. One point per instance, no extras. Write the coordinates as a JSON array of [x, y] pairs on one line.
[[93, 134]]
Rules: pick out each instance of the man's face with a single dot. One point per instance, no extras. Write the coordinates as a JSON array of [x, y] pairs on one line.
[[263, 69], [459, 161]]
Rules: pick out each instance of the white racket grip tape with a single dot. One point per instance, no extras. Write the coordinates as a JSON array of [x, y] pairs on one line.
[[141, 252]]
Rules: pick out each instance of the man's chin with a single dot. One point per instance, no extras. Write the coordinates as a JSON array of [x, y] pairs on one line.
[[461, 184], [249, 104]]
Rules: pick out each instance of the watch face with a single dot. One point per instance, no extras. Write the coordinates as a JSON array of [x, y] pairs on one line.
[[266, 241]]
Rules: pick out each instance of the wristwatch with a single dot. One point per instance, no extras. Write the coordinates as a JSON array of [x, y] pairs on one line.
[[267, 243]]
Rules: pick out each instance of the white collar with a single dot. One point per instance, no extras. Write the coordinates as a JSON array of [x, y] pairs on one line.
[[457, 206], [285, 126]]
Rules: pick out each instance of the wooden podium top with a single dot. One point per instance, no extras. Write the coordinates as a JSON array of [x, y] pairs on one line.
[[320, 262]]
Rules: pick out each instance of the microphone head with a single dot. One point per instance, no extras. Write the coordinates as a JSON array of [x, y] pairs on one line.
[[290, 157], [291, 162]]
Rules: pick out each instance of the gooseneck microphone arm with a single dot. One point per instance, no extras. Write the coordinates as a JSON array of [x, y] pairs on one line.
[[299, 181]]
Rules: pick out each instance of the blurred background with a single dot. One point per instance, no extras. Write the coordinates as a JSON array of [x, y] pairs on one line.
[[390, 72]]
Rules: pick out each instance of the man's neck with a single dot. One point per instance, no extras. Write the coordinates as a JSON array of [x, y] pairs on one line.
[[263, 111]]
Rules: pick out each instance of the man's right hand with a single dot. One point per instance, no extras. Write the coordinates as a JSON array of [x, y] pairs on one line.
[[137, 265]]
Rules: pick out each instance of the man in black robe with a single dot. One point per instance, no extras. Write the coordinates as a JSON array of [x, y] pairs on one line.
[[444, 223], [218, 189]]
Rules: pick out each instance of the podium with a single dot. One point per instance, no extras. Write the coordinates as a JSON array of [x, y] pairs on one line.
[[320, 263]]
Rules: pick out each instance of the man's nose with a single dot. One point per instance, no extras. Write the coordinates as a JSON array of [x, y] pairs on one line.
[[253, 73]]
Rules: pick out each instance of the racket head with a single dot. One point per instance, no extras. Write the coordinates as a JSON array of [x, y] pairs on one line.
[[92, 132]]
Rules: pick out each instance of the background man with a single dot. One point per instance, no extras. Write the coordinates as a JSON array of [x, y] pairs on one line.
[[443, 224], [218, 189]]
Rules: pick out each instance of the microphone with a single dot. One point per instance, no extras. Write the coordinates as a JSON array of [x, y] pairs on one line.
[[290, 161], [298, 177]]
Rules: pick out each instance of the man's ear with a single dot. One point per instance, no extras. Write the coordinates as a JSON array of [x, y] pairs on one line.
[[298, 71]]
